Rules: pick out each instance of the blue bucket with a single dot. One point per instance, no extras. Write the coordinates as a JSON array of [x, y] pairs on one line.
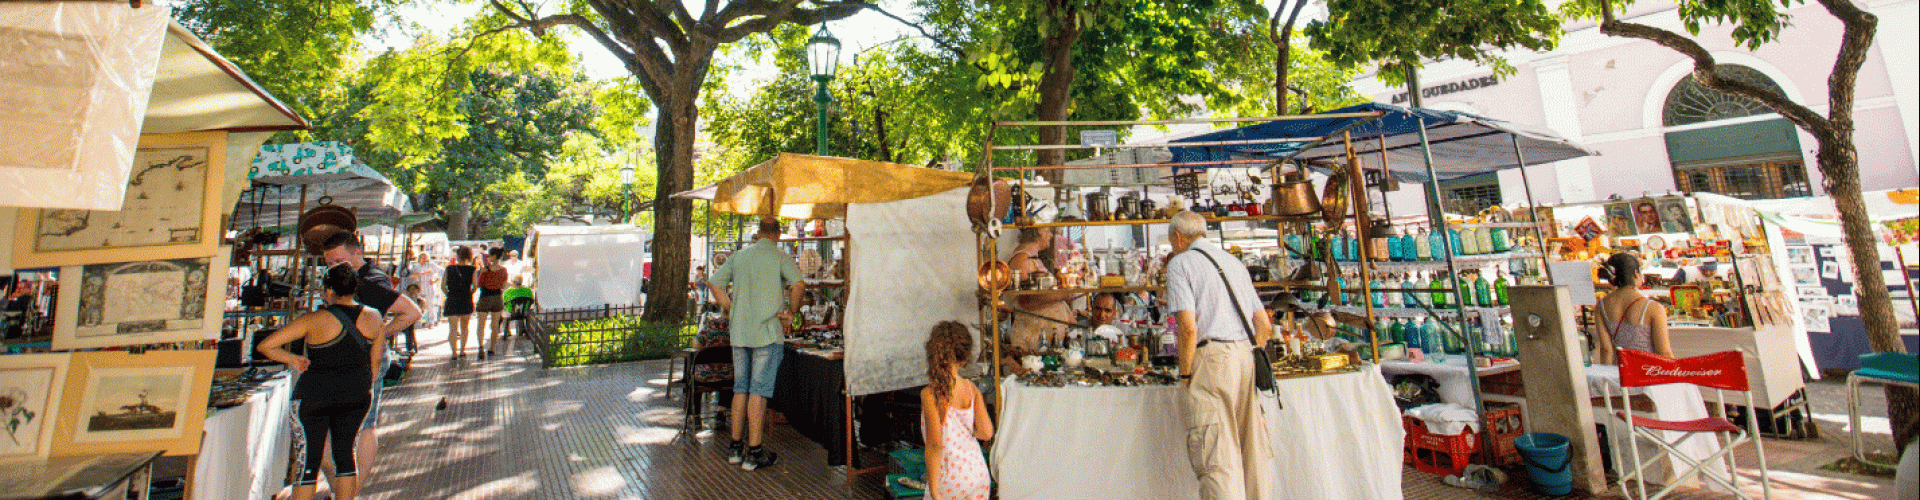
[[1547, 462]]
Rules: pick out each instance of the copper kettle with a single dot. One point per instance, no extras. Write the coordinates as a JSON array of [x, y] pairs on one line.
[[1293, 198]]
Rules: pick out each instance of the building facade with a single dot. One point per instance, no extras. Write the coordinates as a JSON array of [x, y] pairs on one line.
[[1657, 131]]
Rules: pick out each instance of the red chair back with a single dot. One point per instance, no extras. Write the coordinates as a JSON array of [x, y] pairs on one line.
[[1725, 370]]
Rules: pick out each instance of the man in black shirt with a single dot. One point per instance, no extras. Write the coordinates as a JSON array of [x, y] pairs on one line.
[[377, 291]]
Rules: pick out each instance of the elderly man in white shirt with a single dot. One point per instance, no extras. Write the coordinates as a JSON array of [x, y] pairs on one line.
[[1227, 439]]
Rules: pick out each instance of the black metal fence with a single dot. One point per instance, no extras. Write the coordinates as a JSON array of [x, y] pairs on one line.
[[604, 334]]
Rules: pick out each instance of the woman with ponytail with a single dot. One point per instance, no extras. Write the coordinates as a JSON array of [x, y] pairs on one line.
[[953, 419], [1628, 319]]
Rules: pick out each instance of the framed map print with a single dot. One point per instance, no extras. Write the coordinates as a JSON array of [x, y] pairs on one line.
[[145, 302], [118, 402], [30, 390], [171, 210]]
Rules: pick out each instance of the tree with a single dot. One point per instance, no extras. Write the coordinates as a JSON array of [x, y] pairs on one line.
[[1755, 24], [670, 51], [300, 56], [1397, 36]]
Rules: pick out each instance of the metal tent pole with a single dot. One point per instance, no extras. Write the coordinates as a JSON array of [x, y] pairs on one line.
[[1539, 237], [1438, 218]]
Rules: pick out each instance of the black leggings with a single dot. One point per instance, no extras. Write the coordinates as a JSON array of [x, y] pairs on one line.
[[338, 420]]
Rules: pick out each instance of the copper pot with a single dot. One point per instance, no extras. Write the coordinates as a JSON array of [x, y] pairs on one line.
[[981, 198], [1293, 198], [324, 221], [1333, 205]]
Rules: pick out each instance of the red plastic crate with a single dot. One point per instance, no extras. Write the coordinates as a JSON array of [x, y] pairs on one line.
[[1506, 424], [1437, 453]]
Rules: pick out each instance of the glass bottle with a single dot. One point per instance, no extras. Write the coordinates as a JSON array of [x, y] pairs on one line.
[[1353, 247], [1408, 250], [1408, 299], [1500, 289], [1431, 244], [1497, 239], [1482, 291], [1393, 249], [1453, 235], [1487, 244], [1435, 344], [1440, 286], [1341, 283], [1397, 331], [1340, 247], [1421, 299], [1379, 298], [1470, 241], [1298, 247]]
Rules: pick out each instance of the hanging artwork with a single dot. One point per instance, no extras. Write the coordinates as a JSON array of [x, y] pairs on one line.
[[171, 210], [120, 402], [145, 302], [1587, 229], [1620, 219], [1673, 215], [1646, 217], [30, 390]]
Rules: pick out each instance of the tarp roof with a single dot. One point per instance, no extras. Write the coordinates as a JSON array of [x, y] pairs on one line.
[[797, 186], [1462, 144], [197, 89]]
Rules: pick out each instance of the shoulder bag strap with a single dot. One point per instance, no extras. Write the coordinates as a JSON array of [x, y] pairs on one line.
[[1244, 320]]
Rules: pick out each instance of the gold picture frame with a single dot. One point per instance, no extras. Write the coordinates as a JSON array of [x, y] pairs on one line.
[[143, 302], [31, 386], [171, 210], [118, 402]]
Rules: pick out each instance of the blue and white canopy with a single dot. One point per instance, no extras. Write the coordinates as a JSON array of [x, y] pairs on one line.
[[1462, 144]]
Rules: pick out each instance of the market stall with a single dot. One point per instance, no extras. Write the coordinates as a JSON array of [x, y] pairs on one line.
[[900, 221], [120, 179], [1331, 257]]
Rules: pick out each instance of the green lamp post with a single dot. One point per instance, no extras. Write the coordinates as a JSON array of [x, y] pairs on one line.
[[626, 202], [823, 57]]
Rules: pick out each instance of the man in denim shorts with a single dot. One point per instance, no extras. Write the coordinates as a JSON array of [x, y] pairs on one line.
[[768, 284]]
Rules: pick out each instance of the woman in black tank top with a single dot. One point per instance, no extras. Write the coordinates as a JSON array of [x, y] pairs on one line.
[[336, 376]]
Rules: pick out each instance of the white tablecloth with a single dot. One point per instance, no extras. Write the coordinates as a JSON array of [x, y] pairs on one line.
[[1452, 376], [243, 453], [1339, 437], [1672, 402]]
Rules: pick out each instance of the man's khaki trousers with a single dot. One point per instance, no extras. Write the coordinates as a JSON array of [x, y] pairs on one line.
[[1226, 427]]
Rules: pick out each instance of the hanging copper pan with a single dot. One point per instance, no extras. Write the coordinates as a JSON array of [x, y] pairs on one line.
[[1334, 203], [1293, 198], [323, 221]]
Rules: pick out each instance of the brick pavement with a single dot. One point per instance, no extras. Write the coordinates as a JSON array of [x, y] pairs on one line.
[[515, 430]]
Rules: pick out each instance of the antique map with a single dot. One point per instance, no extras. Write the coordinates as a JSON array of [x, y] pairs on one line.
[[164, 206], [142, 297]]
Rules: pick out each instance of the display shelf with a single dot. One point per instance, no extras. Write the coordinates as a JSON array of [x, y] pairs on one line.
[[1116, 289], [1436, 264], [1420, 312], [1516, 225], [1138, 222], [813, 284]]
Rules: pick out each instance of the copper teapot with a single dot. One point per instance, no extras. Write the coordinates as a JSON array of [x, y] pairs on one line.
[[1294, 198]]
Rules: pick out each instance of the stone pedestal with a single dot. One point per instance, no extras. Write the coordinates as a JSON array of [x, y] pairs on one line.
[[1554, 370]]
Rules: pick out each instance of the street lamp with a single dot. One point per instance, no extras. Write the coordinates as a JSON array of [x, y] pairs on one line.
[[626, 202], [823, 57]]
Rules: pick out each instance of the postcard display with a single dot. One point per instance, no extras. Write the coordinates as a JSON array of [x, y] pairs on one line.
[[152, 274]]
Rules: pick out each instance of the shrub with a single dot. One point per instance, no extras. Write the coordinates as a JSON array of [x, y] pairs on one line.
[[615, 339]]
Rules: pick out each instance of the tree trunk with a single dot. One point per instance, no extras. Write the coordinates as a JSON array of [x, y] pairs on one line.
[[1840, 163], [672, 218], [1056, 85], [459, 217]]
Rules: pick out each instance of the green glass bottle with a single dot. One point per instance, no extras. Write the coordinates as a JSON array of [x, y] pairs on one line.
[[1500, 290], [1440, 286], [1482, 291]]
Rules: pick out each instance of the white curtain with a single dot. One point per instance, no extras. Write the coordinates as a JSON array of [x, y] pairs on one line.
[[912, 264]]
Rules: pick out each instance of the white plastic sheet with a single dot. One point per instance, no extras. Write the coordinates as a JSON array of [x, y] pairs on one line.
[[584, 267], [75, 79], [913, 265]]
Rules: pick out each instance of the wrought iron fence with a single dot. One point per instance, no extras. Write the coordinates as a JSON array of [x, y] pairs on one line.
[[604, 334]]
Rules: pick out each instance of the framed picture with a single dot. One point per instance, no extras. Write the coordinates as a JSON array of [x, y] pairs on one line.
[[1646, 217], [1620, 219], [30, 390], [146, 302], [171, 210], [120, 402], [1673, 215]]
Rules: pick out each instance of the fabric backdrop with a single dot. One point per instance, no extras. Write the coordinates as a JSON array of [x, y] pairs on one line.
[[912, 264]]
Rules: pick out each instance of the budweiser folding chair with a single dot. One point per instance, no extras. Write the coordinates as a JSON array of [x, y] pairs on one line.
[[1724, 371]]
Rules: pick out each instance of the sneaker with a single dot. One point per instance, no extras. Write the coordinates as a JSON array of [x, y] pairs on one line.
[[736, 451], [759, 459]]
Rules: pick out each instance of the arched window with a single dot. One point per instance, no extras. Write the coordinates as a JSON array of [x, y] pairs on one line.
[[1691, 103], [1749, 160]]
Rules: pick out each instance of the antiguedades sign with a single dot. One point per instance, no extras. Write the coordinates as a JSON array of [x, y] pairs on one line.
[[1451, 87]]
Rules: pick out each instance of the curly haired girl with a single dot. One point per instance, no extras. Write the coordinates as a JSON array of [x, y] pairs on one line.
[[953, 420]]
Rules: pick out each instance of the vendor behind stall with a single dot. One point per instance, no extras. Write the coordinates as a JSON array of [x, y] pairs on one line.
[[1043, 317], [1629, 319]]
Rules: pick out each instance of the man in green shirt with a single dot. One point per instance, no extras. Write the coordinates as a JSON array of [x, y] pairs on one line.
[[758, 323]]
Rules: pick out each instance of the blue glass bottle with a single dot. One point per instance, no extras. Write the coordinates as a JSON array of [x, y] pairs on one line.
[[1407, 299], [1453, 235], [1434, 344], [1353, 248], [1437, 240], [1298, 247], [1339, 247], [1342, 284], [1379, 298]]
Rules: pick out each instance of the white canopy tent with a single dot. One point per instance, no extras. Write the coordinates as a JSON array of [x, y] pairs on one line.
[[587, 266]]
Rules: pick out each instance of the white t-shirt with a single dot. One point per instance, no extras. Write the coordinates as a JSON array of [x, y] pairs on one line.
[[1193, 284]]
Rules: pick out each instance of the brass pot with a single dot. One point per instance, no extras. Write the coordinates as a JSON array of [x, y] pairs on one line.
[[1294, 198], [1333, 205]]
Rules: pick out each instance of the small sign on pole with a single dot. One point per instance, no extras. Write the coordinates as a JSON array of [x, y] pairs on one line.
[[1099, 138]]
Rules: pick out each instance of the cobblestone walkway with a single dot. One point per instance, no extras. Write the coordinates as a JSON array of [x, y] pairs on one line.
[[512, 429]]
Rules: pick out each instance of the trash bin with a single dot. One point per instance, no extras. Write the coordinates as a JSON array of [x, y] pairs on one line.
[[1547, 462]]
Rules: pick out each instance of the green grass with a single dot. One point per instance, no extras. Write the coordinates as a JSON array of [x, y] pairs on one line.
[[616, 339]]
